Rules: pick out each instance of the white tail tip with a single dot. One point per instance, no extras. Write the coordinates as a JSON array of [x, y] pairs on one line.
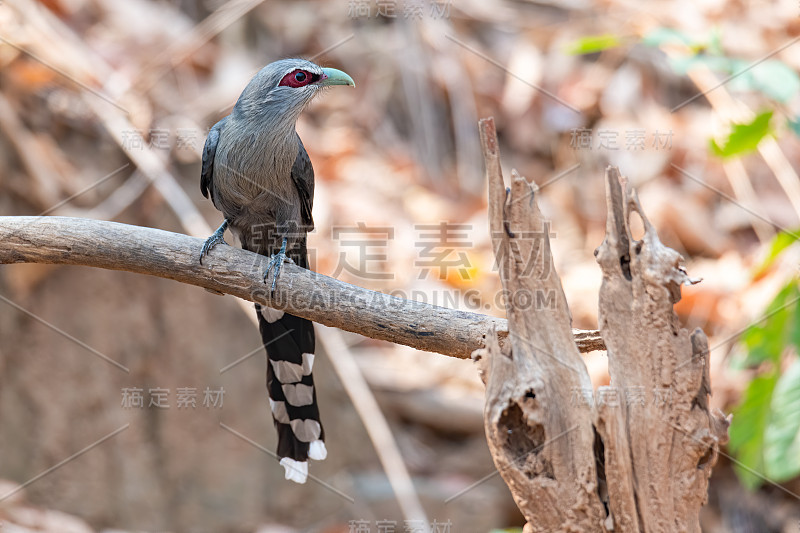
[[317, 450], [295, 470]]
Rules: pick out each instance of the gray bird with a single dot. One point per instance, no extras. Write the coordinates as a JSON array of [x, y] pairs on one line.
[[259, 175]]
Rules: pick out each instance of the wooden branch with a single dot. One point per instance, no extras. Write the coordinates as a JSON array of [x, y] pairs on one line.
[[229, 270]]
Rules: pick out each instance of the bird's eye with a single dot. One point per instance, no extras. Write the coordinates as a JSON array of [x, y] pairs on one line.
[[296, 78]]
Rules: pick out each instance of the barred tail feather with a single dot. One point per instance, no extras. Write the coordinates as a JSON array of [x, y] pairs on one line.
[[289, 341]]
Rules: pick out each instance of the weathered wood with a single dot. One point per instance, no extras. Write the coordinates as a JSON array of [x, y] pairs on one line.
[[660, 438], [542, 440], [634, 457], [230, 270]]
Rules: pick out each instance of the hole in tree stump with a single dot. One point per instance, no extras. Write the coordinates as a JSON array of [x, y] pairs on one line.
[[706, 459], [524, 443]]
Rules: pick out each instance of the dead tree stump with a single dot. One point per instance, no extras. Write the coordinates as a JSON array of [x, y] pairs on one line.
[[635, 456]]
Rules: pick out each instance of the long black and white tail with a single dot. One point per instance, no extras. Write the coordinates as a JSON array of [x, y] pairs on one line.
[[289, 341]]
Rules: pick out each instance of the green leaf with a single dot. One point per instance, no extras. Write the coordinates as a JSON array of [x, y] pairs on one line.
[[715, 41], [766, 340], [747, 429], [794, 328], [765, 433], [777, 80], [683, 64], [593, 43], [782, 436], [780, 242], [794, 125], [773, 78], [744, 138], [661, 36]]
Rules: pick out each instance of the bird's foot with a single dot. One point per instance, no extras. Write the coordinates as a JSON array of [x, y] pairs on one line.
[[277, 262], [216, 238]]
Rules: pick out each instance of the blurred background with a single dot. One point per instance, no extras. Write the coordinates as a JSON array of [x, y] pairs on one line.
[[104, 109]]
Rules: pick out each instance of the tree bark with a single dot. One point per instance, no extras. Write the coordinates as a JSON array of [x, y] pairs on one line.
[[660, 437], [622, 459], [229, 270], [542, 441]]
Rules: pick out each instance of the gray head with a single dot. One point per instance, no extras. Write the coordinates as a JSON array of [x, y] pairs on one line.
[[281, 90]]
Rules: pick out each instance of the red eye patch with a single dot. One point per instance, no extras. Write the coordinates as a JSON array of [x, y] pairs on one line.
[[299, 78]]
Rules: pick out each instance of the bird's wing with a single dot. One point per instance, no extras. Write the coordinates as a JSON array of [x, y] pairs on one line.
[[209, 150], [303, 178]]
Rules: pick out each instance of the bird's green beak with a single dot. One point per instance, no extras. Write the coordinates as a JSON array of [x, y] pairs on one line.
[[332, 76]]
